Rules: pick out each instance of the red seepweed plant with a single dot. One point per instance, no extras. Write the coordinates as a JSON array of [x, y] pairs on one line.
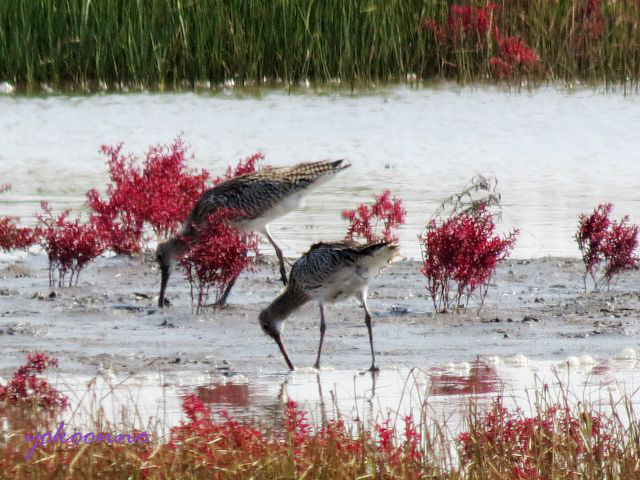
[[26, 388], [219, 252], [298, 449], [159, 192], [471, 28], [248, 165], [520, 444], [607, 246], [560, 439], [216, 256], [13, 237], [70, 245], [460, 250], [364, 221]]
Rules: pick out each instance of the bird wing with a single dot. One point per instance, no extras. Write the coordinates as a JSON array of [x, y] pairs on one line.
[[327, 264], [257, 192]]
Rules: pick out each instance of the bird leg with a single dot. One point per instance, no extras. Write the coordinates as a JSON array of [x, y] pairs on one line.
[[367, 321], [283, 270], [323, 327], [284, 352], [223, 300]]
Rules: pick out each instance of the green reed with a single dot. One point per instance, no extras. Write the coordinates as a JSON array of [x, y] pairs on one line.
[[169, 44]]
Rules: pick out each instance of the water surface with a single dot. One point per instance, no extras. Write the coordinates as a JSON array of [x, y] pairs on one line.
[[443, 394], [556, 153]]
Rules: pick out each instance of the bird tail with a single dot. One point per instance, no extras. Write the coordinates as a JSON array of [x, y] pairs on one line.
[[377, 254], [315, 170]]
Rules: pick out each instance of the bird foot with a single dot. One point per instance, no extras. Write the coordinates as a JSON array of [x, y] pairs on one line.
[[219, 305], [372, 369]]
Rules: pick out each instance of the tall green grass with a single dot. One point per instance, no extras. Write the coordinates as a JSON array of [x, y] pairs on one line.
[[168, 44]]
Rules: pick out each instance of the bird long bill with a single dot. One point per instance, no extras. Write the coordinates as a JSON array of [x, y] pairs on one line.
[[284, 352], [163, 285]]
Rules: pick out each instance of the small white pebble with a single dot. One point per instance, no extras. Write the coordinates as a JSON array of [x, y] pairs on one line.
[[462, 366], [587, 360], [518, 359], [493, 360], [239, 379], [572, 361], [626, 354]]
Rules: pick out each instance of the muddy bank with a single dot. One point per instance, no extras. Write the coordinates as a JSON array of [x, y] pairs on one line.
[[110, 321]]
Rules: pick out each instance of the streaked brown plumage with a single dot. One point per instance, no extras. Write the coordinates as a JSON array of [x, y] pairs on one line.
[[262, 196], [328, 272]]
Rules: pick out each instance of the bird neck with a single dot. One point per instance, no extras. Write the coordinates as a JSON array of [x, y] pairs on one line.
[[287, 302], [176, 246]]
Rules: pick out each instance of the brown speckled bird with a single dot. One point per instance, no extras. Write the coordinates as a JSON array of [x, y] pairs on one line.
[[262, 196], [328, 272]]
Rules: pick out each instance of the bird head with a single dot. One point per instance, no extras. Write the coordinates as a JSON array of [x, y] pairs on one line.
[[165, 256], [269, 323]]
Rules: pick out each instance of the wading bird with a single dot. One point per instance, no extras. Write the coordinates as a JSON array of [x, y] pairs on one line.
[[328, 272], [261, 196]]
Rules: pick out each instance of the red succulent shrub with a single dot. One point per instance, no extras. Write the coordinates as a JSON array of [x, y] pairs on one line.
[[477, 29], [467, 20], [464, 22], [364, 221], [589, 31], [159, 192], [13, 237], [26, 387], [248, 165], [607, 246], [460, 255], [223, 443], [514, 57], [70, 245], [520, 444], [216, 256]]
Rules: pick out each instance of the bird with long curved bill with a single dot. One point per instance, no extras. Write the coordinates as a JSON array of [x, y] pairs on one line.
[[328, 272], [261, 196]]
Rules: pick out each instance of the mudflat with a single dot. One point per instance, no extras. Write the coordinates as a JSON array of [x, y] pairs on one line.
[[535, 307]]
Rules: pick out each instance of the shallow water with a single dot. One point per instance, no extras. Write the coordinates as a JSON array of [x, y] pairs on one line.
[[556, 153], [441, 393]]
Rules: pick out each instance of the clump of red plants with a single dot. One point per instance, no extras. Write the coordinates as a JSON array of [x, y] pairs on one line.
[[26, 388], [244, 166], [607, 246], [376, 222], [295, 450], [218, 252], [216, 256], [12, 236], [557, 442], [70, 245], [460, 250], [158, 191], [476, 30]]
